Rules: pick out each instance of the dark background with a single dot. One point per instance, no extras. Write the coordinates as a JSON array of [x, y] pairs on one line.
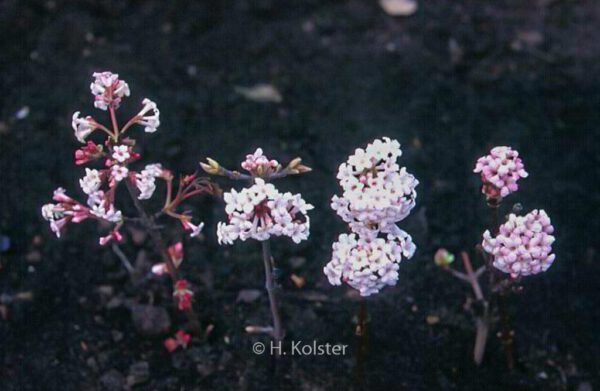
[[448, 82]]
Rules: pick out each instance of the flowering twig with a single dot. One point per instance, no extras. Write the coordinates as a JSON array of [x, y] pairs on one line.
[[100, 185], [259, 212]]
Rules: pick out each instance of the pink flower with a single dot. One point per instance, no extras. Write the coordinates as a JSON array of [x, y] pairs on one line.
[[150, 122], [118, 173], [500, 171], [175, 253], [188, 226], [523, 245], [108, 90], [66, 210], [83, 127], [113, 235], [121, 153]]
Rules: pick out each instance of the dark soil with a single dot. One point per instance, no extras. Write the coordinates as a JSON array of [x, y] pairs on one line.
[[448, 82]]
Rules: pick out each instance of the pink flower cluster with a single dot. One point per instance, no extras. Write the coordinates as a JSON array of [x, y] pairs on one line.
[[108, 90], [261, 211], [368, 265], [257, 163], [500, 171], [523, 245], [377, 194]]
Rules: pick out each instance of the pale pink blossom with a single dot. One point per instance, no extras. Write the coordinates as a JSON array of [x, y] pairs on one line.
[[108, 90], [195, 230], [500, 171], [146, 180], [150, 122], [121, 153], [261, 211], [368, 264], [523, 245], [113, 235], [118, 173], [83, 127]]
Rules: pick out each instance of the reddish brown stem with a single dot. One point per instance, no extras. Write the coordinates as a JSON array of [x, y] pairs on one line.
[[500, 293], [271, 291], [161, 248]]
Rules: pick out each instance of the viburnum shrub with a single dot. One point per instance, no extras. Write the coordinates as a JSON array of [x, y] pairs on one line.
[[260, 212], [116, 166], [520, 246]]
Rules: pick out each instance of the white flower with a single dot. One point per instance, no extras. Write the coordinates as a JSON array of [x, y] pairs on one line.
[[98, 208], [260, 211], [91, 182], [119, 173], [108, 90], [83, 127], [195, 229], [368, 265], [53, 212], [151, 122], [154, 170], [121, 153]]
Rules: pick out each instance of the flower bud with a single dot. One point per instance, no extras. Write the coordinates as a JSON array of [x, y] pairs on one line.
[[443, 257]]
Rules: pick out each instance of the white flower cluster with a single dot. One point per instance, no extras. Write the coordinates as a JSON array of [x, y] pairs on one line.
[[368, 265], [91, 182], [146, 180], [377, 194], [523, 245], [108, 90], [261, 211], [102, 209]]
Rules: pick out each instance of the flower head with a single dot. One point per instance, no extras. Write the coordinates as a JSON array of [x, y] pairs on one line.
[[370, 264], [377, 192], [108, 90], [500, 171], [65, 210], [261, 211], [523, 245]]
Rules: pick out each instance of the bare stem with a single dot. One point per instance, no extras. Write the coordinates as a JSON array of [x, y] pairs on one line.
[[271, 290], [362, 334], [501, 293], [161, 248]]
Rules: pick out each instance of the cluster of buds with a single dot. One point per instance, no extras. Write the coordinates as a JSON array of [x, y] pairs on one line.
[[183, 294], [65, 210], [500, 171], [368, 265], [523, 245], [377, 194], [181, 339]]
